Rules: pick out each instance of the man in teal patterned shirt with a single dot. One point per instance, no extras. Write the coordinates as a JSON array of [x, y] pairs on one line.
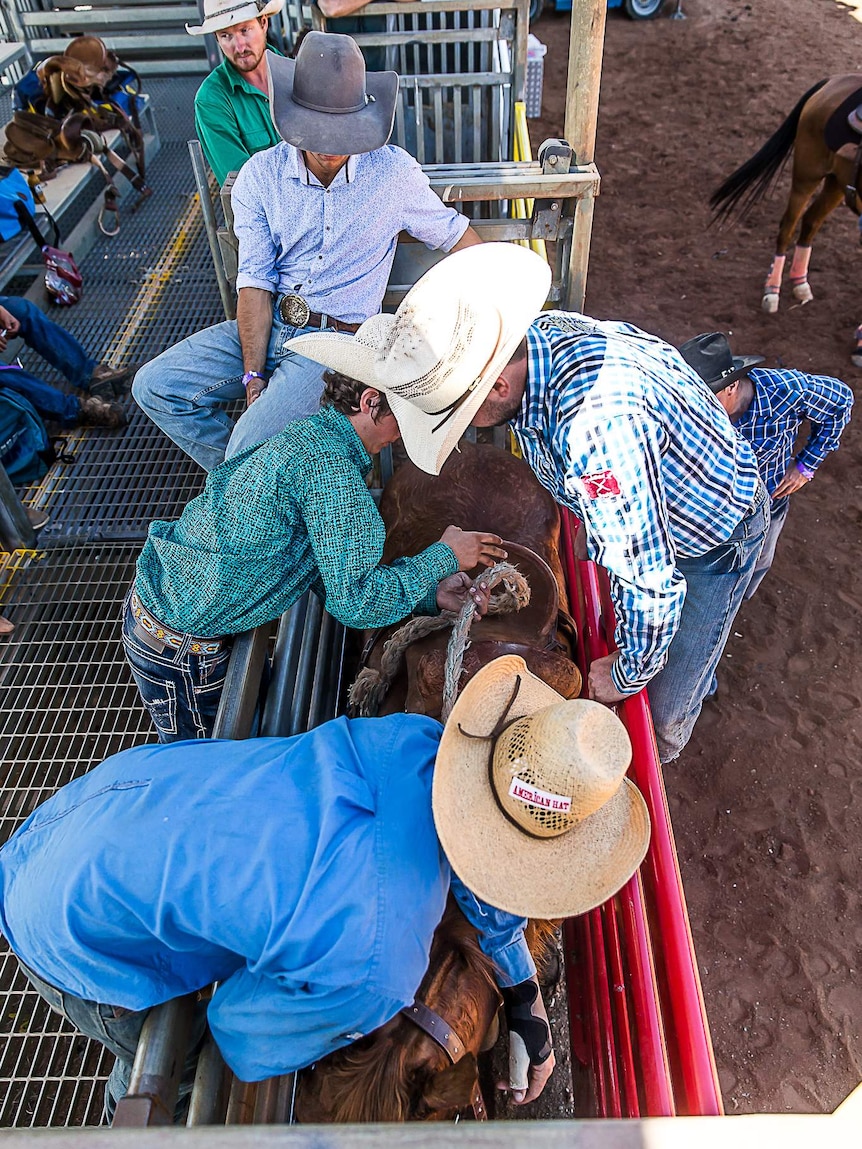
[[291, 515]]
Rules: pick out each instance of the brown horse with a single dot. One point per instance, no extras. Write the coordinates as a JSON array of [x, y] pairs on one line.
[[825, 151], [399, 1072]]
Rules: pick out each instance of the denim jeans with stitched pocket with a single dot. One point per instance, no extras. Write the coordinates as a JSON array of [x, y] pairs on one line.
[[778, 513], [185, 391], [181, 690], [118, 1030], [715, 585]]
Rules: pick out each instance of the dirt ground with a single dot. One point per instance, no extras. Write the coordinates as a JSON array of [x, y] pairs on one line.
[[767, 799]]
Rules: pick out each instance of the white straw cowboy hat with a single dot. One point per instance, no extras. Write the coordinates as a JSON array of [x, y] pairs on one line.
[[221, 14], [440, 354], [531, 803], [324, 101]]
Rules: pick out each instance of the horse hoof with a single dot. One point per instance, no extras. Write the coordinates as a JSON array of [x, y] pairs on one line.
[[856, 359], [769, 303], [802, 293]]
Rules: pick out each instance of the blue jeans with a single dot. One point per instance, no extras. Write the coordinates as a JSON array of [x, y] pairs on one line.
[[58, 348], [180, 690], [119, 1031], [185, 390], [715, 585], [767, 552]]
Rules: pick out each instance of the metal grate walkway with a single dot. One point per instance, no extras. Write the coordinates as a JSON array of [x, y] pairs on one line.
[[67, 699]]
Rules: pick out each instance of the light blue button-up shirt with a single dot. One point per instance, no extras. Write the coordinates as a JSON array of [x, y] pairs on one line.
[[304, 874], [334, 246]]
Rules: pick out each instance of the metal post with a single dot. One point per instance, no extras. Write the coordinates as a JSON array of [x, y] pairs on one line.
[[586, 43], [16, 533], [200, 169], [242, 686], [154, 1085]]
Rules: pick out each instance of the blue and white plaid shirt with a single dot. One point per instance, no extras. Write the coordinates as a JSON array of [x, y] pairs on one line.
[[782, 401], [622, 431]]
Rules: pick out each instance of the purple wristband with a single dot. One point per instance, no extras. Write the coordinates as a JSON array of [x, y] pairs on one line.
[[804, 471]]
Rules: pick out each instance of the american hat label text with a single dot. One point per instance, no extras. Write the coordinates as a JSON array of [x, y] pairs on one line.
[[523, 792]]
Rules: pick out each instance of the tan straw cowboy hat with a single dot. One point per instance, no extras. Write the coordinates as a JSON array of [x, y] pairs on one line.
[[531, 802], [221, 14], [440, 354]]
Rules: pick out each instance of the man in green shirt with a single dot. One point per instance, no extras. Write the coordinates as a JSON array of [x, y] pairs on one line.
[[290, 515], [232, 117]]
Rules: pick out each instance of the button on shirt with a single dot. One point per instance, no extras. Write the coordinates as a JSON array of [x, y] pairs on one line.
[[334, 246], [290, 515], [304, 874], [782, 400], [618, 428], [232, 120]]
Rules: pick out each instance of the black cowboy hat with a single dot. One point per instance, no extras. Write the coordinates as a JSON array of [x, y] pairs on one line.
[[323, 101], [710, 355]]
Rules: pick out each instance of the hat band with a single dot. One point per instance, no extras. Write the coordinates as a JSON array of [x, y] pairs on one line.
[[259, 4], [369, 99], [501, 726], [450, 411]]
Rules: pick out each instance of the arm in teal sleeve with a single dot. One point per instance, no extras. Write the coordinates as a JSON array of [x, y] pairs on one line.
[[347, 535], [264, 1027], [501, 936]]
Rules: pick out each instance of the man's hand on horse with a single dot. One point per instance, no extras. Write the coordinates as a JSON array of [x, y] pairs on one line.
[[454, 591], [531, 1050], [601, 684], [792, 481], [474, 548]]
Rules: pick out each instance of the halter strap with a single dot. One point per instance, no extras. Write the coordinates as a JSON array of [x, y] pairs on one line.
[[437, 1029]]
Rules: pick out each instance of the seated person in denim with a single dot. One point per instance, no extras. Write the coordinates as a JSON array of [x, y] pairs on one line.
[[291, 515], [317, 218], [305, 875], [768, 406], [232, 117], [97, 382]]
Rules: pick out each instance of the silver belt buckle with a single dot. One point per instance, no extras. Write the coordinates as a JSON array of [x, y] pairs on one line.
[[294, 310]]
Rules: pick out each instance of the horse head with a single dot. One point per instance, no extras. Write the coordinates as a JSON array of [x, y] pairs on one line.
[[400, 1072]]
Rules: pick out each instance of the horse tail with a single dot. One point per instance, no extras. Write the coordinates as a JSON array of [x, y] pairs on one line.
[[750, 182]]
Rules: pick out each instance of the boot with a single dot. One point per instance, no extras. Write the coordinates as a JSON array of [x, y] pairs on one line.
[[38, 519], [6, 627], [109, 383], [97, 413]]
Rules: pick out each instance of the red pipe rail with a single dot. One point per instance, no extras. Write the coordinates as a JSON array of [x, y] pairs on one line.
[[637, 993]]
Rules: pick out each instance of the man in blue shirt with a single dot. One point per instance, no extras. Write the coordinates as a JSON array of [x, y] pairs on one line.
[[317, 220], [767, 407], [304, 875]]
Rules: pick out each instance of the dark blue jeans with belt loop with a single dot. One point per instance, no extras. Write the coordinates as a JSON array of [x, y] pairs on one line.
[[715, 585], [181, 690]]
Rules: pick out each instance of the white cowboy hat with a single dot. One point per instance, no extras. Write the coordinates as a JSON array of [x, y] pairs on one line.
[[531, 803], [221, 14], [440, 354]]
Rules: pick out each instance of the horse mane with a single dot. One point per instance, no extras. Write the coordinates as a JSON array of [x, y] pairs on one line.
[[380, 1078], [752, 180]]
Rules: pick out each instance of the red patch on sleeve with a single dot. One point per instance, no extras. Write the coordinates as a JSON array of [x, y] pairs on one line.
[[600, 485]]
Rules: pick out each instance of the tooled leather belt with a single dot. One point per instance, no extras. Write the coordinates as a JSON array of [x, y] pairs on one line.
[[173, 638], [294, 310]]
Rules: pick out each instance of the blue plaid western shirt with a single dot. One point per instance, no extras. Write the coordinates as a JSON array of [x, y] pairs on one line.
[[782, 401], [623, 432]]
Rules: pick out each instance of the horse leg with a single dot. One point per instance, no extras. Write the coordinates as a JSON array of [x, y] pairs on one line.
[[829, 197], [800, 193]]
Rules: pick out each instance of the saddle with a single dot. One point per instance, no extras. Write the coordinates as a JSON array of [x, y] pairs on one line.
[[485, 489]]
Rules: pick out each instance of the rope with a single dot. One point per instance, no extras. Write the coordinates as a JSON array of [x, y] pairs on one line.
[[372, 685]]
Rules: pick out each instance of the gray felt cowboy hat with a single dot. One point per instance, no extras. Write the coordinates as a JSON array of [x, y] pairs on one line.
[[710, 355], [530, 799], [323, 101], [221, 14]]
